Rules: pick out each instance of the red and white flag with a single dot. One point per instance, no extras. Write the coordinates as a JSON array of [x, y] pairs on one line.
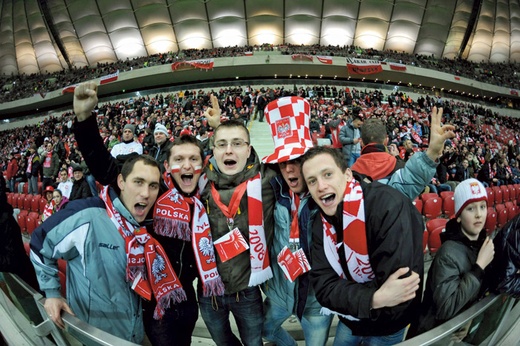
[[397, 67], [109, 78], [69, 89], [248, 53], [324, 59]]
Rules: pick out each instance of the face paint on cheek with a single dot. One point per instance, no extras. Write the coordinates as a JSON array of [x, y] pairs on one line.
[[175, 169], [197, 170]]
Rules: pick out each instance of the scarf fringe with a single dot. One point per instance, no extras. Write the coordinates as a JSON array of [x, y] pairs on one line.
[[176, 296], [172, 228], [133, 272], [214, 287], [259, 277]]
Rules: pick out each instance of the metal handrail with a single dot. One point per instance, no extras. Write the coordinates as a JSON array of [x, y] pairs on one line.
[[449, 327], [73, 325]]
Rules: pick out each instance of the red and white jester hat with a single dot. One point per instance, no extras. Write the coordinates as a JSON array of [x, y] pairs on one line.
[[289, 119]]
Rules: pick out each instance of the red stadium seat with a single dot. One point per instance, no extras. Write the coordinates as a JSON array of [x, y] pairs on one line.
[[448, 204], [491, 221], [14, 200], [428, 195], [491, 196], [512, 210], [501, 215], [418, 204], [21, 201], [505, 193], [27, 202], [35, 204], [33, 221], [512, 193], [40, 188], [43, 202], [26, 188], [10, 198], [434, 239], [499, 196], [432, 208], [435, 223], [22, 220]]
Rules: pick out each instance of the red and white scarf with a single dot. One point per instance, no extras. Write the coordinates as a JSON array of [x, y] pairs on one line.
[[354, 239], [172, 218], [147, 267], [260, 269], [50, 208], [48, 160]]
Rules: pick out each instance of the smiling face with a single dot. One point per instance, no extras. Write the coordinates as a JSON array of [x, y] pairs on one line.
[[292, 174], [185, 166], [473, 218], [231, 158], [326, 181], [160, 138], [140, 189]]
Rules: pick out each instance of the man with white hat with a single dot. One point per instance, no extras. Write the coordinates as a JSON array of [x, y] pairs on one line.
[[288, 291], [162, 145], [128, 145]]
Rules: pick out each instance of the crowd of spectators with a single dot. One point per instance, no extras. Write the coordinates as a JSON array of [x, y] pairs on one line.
[[488, 141], [17, 87]]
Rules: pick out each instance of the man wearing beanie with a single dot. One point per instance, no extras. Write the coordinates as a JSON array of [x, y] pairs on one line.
[[128, 145], [456, 275], [162, 145]]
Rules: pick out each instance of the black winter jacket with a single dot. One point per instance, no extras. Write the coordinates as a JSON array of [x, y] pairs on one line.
[[394, 230], [454, 281]]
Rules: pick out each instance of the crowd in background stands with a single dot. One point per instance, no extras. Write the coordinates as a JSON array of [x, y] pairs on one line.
[[488, 142], [22, 86]]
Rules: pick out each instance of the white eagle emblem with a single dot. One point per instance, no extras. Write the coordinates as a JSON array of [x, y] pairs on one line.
[[158, 266], [205, 247], [174, 197]]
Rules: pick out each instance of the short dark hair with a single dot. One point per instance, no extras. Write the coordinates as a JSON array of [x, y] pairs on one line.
[[336, 154], [233, 123], [129, 164], [185, 139], [373, 131]]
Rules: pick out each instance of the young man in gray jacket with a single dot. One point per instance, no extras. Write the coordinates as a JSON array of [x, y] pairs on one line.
[[110, 230]]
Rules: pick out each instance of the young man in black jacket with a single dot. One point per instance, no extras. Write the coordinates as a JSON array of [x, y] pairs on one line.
[[367, 258]]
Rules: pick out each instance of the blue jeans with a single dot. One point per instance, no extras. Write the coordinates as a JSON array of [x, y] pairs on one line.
[[33, 185], [344, 337], [315, 326], [175, 327], [92, 184], [246, 307], [353, 158], [11, 184]]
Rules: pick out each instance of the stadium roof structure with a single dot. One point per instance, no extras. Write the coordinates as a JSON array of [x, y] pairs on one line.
[[51, 35]]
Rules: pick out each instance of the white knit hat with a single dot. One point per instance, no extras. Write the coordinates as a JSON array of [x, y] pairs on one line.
[[161, 128], [468, 191], [288, 118]]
